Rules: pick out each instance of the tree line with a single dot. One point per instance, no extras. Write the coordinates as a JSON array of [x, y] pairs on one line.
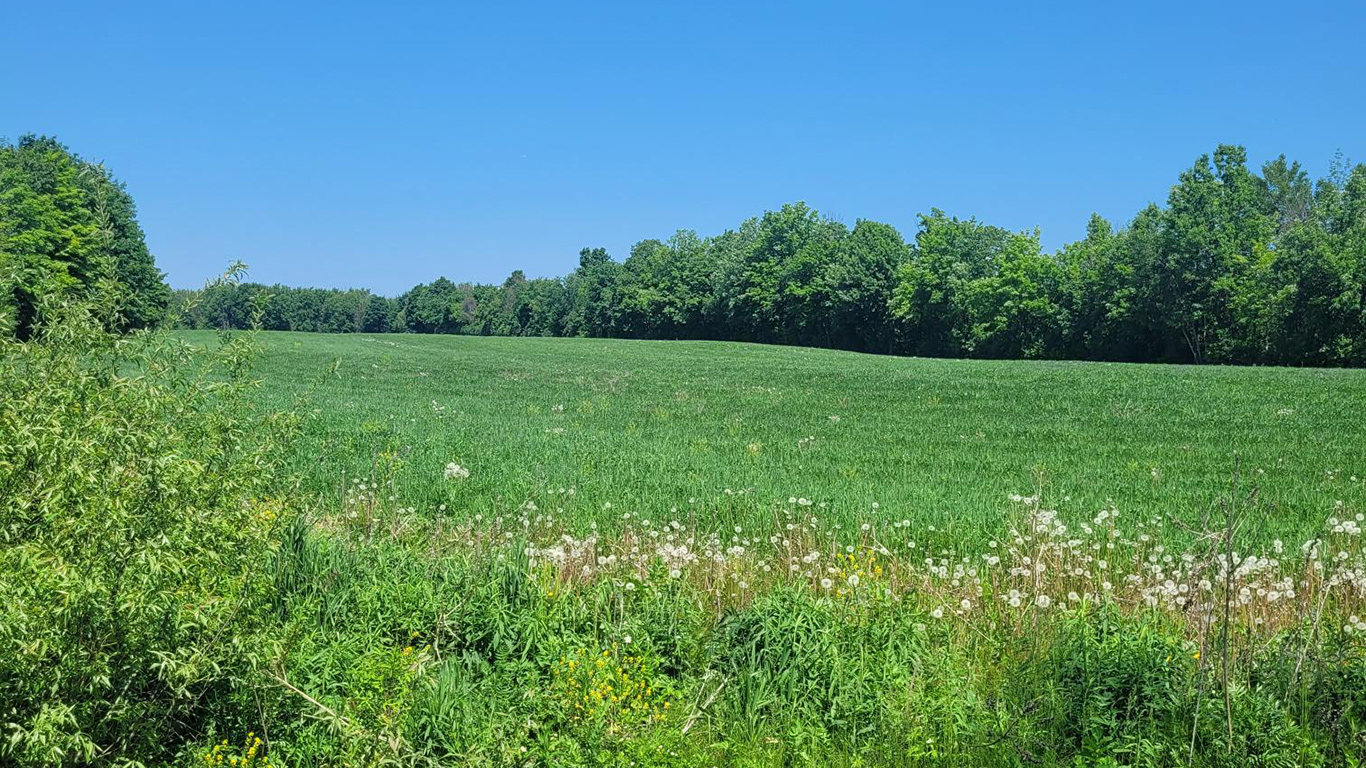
[[1237, 267], [69, 229]]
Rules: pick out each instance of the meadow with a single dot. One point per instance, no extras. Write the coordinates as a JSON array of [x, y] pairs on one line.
[[431, 534], [723, 433], [271, 549]]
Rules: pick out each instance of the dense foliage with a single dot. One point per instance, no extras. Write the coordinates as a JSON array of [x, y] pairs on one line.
[[171, 601], [172, 595], [66, 226], [135, 519], [172, 598], [1239, 267]]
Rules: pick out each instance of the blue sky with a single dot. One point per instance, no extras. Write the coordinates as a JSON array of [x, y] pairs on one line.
[[383, 144]]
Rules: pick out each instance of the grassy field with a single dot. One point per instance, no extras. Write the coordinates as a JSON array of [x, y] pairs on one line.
[[724, 433], [575, 554]]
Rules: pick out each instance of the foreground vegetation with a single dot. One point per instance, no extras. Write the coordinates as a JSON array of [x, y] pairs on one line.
[[175, 597]]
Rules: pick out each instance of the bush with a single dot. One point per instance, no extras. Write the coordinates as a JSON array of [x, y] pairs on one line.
[[136, 515]]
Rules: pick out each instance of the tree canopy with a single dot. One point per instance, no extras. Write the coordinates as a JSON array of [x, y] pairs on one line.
[[68, 227], [1240, 265]]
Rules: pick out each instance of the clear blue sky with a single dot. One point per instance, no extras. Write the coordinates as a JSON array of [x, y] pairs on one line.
[[382, 144]]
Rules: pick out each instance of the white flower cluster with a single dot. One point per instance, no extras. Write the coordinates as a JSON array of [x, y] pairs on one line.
[[1042, 565]]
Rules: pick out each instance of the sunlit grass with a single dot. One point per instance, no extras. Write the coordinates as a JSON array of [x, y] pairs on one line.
[[722, 433]]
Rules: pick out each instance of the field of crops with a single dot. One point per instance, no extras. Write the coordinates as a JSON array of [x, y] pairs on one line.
[[724, 433], [302, 550]]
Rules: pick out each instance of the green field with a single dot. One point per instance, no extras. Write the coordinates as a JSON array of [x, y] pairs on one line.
[[723, 432], [354, 574]]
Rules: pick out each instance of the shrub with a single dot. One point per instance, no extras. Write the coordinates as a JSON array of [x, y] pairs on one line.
[[136, 516]]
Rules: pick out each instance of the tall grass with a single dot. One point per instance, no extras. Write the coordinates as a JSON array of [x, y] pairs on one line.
[[187, 582], [1064, 643]]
